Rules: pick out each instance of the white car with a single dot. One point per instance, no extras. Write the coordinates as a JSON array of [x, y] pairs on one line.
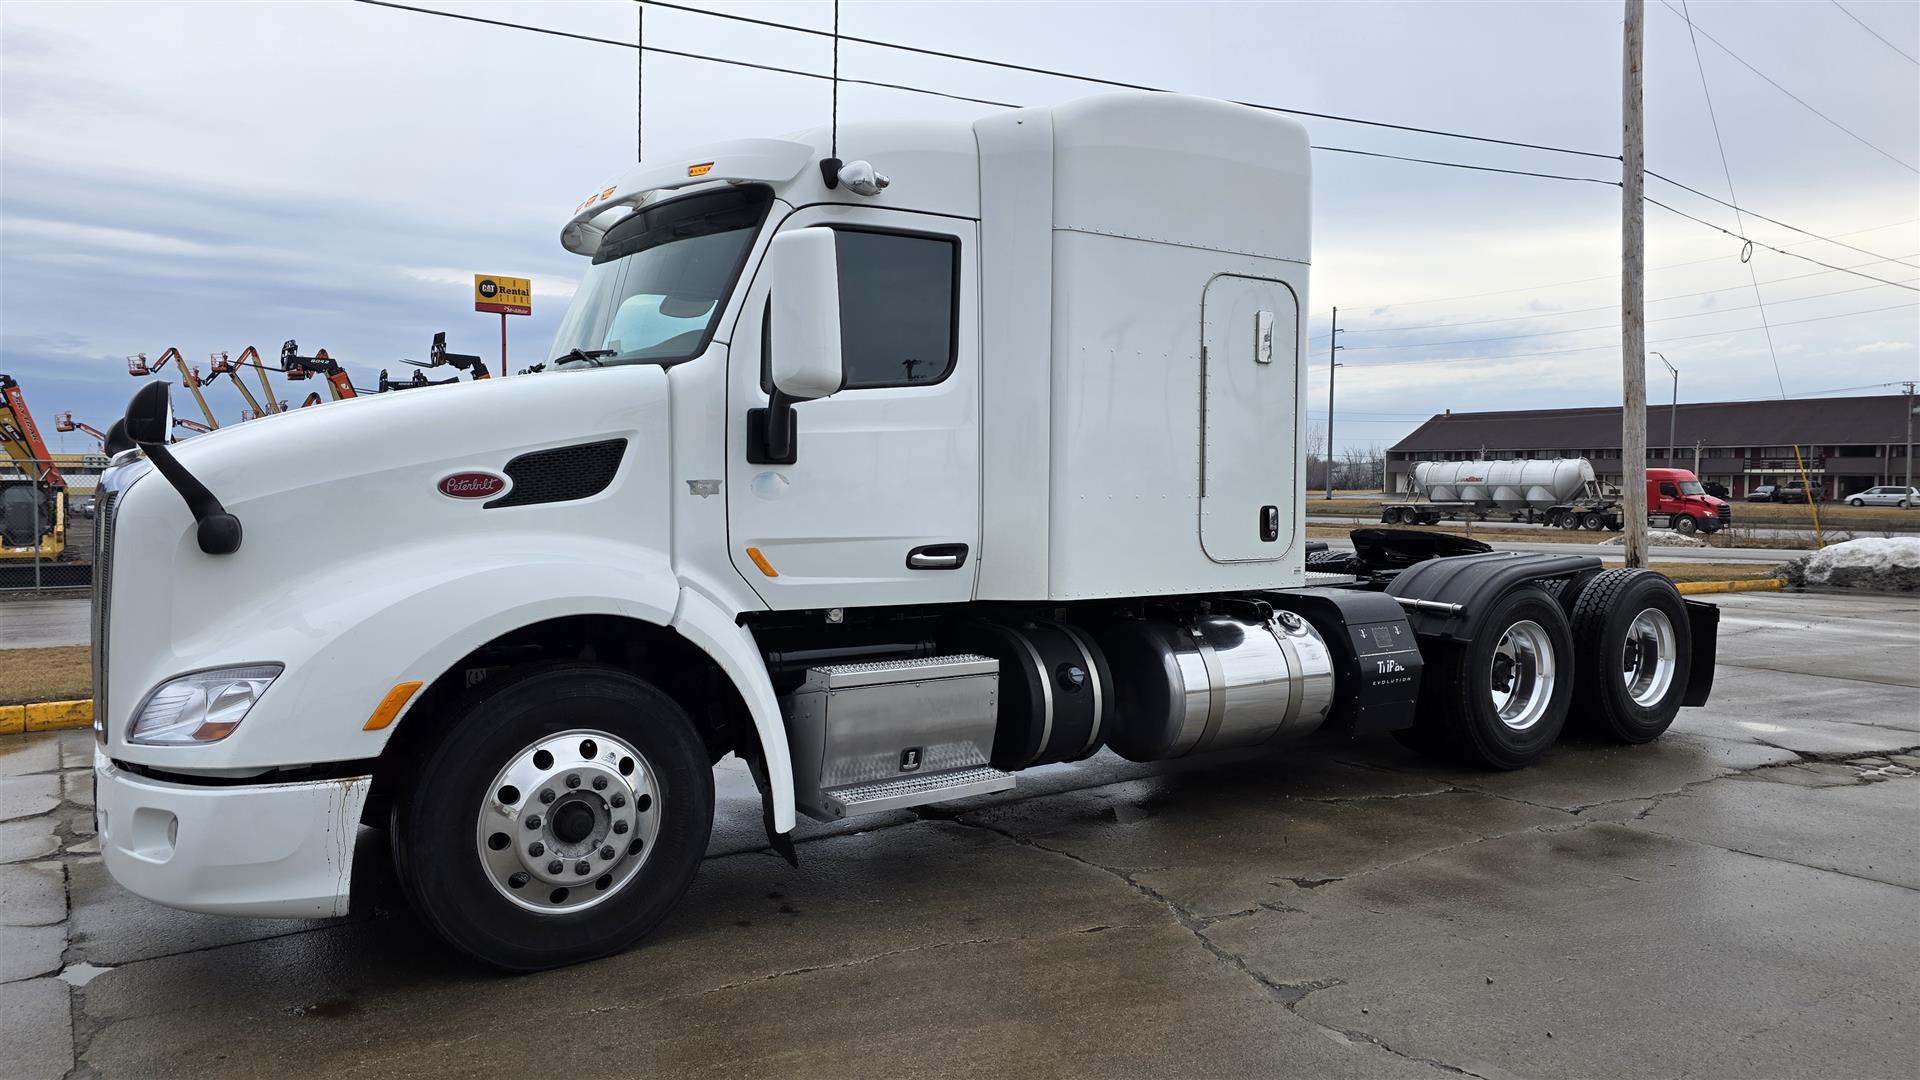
[[1886, 495]]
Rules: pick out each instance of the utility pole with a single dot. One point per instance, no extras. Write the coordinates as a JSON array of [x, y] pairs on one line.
[[1696, 459], [1633, 330], [1333, 346], [1909, 480]]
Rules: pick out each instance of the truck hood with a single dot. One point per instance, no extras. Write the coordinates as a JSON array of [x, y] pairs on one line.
[[468, 425]]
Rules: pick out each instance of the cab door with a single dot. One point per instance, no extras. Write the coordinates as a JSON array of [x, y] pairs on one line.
[[881, 502]]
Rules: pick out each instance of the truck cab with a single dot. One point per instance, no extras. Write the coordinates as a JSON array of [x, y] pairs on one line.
[[1678, 496], [892, 475]]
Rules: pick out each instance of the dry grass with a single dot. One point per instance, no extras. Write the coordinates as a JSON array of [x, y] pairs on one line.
[[62, 673], [1705, 571]]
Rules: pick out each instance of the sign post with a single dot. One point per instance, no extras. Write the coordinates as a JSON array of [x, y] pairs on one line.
[[506, 296]]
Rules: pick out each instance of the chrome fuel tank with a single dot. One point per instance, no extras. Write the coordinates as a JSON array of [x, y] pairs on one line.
[[1215, 683]]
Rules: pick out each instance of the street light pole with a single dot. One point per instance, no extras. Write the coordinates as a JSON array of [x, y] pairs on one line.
[[1671, 409], [1332, 347], [1909, 443]]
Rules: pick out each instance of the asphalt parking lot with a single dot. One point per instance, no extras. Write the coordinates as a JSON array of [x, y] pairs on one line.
[[1736, 899]]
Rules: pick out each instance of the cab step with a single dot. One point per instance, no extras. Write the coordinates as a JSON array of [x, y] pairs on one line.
[[875, 798]]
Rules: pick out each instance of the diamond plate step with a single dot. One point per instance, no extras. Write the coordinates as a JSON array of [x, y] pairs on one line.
[[859, 799]]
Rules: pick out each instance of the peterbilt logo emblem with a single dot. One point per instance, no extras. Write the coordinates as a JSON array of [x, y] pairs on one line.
[[472, 485]]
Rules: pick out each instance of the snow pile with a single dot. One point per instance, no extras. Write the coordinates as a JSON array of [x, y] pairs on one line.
[[1886, 564], [1659, 538]]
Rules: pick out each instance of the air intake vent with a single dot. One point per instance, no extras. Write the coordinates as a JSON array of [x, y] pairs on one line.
[[562, 474]]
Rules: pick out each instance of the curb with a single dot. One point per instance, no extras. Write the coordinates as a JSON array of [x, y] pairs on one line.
[[46, 716], [1747, 585]]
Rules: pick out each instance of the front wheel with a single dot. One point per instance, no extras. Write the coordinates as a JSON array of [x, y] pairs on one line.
[[1861, 502], [1685, 525], [1500, 700], [560, 817]]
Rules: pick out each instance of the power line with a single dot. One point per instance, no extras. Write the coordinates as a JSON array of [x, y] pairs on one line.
[[1459, 165], [1781, 251], [1849, 131], [1909, 56], [1609, 326], [1601, 277], [1601, 307], [1662, 341], [1727, 171], [658, 50], [1116, 83], [1755, 213]]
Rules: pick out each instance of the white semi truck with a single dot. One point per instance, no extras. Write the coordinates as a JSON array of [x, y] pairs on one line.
[[892, 476]]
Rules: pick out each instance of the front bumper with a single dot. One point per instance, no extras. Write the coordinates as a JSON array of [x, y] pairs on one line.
[[275, 850]]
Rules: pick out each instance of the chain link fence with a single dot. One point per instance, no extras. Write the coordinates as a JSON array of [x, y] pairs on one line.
[[46, 530]]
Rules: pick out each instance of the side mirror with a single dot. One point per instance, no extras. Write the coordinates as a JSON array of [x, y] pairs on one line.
[[804, 275], [150, 414], [117, 440]]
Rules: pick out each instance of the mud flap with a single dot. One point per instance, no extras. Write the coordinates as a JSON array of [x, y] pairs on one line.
[[782, 843], [1703, 623]]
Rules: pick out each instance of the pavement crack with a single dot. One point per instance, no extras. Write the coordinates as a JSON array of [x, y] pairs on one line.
[[1778, 858]]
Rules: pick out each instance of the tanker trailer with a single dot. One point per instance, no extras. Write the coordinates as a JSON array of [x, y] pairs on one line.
[[1558, 492]]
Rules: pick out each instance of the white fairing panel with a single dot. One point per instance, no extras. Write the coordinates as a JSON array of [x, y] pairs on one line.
[[1247, 499]]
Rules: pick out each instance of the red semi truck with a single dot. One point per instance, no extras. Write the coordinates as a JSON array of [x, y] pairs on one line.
[[1561, 492]]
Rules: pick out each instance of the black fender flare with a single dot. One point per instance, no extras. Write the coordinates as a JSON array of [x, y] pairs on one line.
[[1447, 598]]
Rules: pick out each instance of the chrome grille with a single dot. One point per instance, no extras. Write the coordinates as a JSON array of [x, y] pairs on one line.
[[102, 594]]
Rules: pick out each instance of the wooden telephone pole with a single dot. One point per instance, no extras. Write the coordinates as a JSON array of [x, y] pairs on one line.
[[1633, 329]]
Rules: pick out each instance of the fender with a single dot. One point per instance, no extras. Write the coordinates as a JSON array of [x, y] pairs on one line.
[[715, 633], [1469, 584]]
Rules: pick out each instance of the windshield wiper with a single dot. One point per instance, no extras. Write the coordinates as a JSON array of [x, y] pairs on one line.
[[591, 356]]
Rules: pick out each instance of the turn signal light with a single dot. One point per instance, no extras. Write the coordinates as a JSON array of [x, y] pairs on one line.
[[390, 705]]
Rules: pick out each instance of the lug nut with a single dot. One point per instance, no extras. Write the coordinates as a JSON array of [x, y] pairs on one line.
[[546, 795], [618, 800], [536, 849], [573, 779], [620, 827], [533, 821], [556, 866], [607, 852], [599, 783], [582, 867]]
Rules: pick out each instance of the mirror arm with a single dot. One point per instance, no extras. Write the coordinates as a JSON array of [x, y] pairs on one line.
[[219, 531], [780, 426]]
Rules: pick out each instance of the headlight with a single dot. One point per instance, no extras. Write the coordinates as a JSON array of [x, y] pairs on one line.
[[201, 708]]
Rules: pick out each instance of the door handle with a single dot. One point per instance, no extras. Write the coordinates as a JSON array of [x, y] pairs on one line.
[[937, 557]]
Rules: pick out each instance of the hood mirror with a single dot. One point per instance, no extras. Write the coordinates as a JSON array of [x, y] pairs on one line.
[[149, 416]]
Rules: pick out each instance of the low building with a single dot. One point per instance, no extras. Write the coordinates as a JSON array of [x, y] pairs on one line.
[[1848, 443]]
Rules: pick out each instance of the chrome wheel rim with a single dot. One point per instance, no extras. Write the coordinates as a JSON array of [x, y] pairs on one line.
[[1648, 663], [1522, 674], [568, 822]]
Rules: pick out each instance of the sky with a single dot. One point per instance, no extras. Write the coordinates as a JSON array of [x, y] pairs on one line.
[[216, 175]]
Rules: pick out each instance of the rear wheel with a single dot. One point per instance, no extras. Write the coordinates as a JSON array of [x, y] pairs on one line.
[[1632, 653], [560, 818], [1593, 521], [1500, 700]]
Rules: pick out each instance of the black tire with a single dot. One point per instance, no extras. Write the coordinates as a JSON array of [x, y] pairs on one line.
[[1457, 709], [1602, 617], [435, 816], [1570, 519], [1856, 502], [1684, 524], [1592, 521]]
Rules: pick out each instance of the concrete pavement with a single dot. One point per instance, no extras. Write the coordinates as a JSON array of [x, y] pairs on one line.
[[34, 624], [1735, 899]]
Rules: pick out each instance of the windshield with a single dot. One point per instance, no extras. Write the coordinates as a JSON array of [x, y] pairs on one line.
[[1691, 487], [661, 278]]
